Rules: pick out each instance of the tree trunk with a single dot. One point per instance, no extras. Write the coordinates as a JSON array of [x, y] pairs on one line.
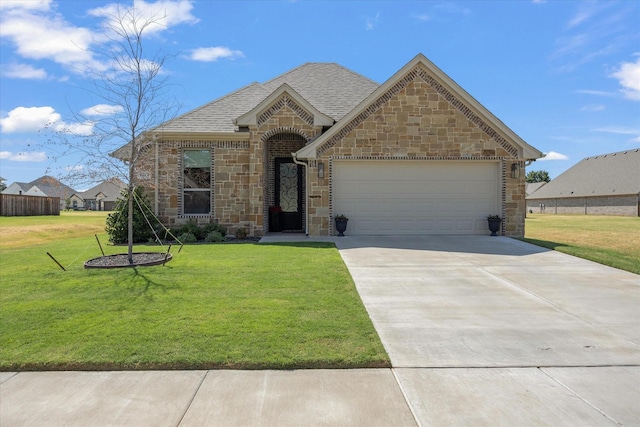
[[130, 204]]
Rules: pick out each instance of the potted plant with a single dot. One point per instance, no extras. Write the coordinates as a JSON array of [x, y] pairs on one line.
[[341, 224], [494, 224]]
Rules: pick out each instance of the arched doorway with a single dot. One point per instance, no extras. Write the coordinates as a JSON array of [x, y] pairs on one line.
[[284, 189]]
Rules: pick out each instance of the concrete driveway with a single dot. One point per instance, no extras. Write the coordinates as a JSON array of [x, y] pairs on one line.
[[494, 331]]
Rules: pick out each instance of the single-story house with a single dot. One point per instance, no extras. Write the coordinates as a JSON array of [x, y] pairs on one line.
[[45, 186], [101, 197], [532, 187], [414, 155], [607, 184], [17, 188]]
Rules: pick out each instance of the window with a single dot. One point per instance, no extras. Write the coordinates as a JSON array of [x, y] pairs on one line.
[[196, 178]]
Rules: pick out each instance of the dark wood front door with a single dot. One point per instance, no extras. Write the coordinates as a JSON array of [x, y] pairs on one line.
[[289, 193]]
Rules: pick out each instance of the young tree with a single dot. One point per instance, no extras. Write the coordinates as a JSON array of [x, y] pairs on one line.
[[538, 176], [133, 93]]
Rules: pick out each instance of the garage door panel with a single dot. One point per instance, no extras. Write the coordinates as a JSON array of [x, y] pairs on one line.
[[413, 197]]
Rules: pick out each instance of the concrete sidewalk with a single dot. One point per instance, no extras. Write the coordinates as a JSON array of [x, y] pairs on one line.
[[358, 397], [481, 331]]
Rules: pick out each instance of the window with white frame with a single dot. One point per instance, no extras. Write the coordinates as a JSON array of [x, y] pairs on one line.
[[196, 179]]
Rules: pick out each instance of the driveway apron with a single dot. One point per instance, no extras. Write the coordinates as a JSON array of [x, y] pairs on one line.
[[493, 331]]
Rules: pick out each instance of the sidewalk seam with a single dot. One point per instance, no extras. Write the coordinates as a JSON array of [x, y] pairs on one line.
[[195, 393], [406, 398], [579, 396]]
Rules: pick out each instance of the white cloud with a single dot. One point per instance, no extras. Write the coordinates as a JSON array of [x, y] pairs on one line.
[[628, 76], [35, 156], [211, 54], [6, 5], [38, 35], [39, 32], [29, 119], [621, 131], [78, 129], [552, 155], [595, 92], [24, 71], [76, 168], [593, 107], [372, 22], [162, 14], [34, 119], [102, 110]]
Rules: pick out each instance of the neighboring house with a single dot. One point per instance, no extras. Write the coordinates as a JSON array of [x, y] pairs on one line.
[[45, 186], [414, 155], [17, 188], [532, 187], [608, 184], [102, 197]]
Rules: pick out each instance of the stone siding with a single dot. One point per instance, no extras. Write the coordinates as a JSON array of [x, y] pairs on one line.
[[416, 119], [417, 123]]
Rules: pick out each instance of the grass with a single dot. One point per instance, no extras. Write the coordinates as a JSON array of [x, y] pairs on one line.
[[243, 306], [609, 240], [25, 231]]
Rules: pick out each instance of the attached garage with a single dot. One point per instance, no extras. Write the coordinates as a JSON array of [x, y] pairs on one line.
[[383, 197]]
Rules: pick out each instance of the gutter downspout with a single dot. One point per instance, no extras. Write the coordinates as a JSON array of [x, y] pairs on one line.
[[306, 192]]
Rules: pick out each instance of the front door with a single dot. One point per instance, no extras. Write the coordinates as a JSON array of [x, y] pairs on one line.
[[289, 193]]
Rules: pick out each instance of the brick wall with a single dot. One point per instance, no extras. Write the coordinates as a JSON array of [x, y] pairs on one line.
[[614, 205]]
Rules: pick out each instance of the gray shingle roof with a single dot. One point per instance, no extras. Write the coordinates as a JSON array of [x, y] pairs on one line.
[[111, 188], [532, 187], [330, 88], [604, 175]]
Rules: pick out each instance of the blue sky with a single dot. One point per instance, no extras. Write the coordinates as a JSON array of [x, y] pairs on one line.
[[564, 75]]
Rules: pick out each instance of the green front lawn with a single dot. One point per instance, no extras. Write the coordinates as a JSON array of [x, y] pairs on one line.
[[243, 306], [609, 240]]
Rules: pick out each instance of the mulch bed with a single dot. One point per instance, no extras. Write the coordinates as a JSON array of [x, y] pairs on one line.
[[122, 260]]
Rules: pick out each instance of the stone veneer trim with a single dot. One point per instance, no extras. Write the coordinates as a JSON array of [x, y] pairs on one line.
[[285, 101], [393, 91]]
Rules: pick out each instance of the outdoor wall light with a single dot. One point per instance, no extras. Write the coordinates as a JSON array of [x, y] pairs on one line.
[[515, 170], [320, 169]]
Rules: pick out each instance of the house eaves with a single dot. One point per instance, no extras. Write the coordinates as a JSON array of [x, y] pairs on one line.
[[284, 92], [447, 85]]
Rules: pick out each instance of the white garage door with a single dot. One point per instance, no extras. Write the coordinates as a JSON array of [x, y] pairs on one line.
[[416, 197]]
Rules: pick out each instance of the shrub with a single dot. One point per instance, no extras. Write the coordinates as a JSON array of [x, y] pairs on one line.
[[241, 233], [193, 228], [117, 221], [214, 226], [187, 238], [214, 237]]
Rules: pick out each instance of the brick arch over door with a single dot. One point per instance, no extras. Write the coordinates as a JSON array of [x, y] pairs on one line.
[[277, 146]]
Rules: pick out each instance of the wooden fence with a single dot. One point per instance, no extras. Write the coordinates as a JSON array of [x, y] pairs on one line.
[[20, 205]]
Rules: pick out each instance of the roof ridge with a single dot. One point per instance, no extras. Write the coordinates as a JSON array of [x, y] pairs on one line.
[[306, 64], [636, 150]]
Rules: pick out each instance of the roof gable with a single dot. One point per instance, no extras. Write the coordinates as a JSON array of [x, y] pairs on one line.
[[604, 175], [421, 68], [282, 97]]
